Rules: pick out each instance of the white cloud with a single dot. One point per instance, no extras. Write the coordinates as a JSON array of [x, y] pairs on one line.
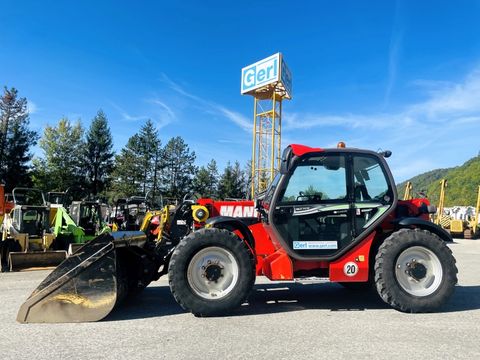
[[126, 116], [169, 112], [440, 131], [451, 100], [210, 106], [32, 108]]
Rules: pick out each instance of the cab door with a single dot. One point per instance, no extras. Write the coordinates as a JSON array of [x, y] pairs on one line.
[[373, 196], [314, 212]]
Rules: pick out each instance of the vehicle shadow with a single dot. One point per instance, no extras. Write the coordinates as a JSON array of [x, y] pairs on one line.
[[283, 297], [151, 302]]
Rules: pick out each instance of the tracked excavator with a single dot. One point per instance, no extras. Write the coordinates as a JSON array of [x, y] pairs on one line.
[[332, 214]]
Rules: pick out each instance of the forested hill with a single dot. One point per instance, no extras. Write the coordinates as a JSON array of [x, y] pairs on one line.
[[462, 188]]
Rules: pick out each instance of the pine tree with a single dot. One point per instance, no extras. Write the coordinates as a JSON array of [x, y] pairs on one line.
[[150, 155], [63, 148], [206, 179], [98, 154], [127, 174], [179, 168], [232, 182], [15, 140]]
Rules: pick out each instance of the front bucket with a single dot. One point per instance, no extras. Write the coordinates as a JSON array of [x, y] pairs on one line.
[[84, 287], [35, 259]]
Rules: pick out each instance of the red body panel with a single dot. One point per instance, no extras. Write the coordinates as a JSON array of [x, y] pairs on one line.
[[273, 261], [359, 256], [240, 208], [413, 206], [300, 150]]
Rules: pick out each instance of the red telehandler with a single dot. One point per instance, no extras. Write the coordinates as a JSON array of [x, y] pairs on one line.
[[329, 213]]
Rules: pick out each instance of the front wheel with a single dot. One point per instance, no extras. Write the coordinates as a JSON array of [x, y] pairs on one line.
[[211, 272], [415, 271]]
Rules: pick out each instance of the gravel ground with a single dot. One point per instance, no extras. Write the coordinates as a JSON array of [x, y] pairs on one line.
[[282, 320]]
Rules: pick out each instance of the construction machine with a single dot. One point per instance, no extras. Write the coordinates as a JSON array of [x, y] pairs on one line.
[[129, 213], [26, 239], [332, 214], [407, 195], [6, 203], [475, 222], [470, 226], [458, 227], [91, 217]]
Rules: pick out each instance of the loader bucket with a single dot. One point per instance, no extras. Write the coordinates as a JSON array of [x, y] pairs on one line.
[[35, 259], [87, 285]]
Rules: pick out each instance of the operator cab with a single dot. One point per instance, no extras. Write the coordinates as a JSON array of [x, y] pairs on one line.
[[324, 201]]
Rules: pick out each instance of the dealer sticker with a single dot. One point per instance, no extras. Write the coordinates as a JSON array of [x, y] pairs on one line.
[[350, 268], [315, 245]]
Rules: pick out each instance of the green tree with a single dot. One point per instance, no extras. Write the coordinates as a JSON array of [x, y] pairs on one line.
[[15, 140], [98, 154], [232, 183], [63, 148], [127, 174], [150, 156], [206, 179], [178, 169]]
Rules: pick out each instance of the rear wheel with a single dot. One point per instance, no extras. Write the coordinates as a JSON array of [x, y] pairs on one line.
[[211, 272], [415, 271]]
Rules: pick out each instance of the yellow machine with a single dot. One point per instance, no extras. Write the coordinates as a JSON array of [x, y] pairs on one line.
[[466, 228], [26, 239], [407, 195], [440, 218], [473, 231]]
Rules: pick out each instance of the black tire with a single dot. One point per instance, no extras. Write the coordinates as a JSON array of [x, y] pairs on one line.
[[187, 284], [427, 293]]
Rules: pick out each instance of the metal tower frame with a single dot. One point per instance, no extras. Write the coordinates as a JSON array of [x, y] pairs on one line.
[[269, 81], [267, 141]]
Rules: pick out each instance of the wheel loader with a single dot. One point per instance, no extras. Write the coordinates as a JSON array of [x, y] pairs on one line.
[[331, 214], [26, 239]]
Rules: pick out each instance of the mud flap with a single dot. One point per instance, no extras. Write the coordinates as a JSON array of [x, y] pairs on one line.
[[87, 285]]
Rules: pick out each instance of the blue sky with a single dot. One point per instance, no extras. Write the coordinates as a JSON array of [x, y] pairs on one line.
[[403, 75]]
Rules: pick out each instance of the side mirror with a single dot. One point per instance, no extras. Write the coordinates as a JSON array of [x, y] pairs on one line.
[[386, 153]]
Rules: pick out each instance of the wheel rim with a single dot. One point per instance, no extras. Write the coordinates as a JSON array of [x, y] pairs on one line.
[[418, 271], [212, 273]]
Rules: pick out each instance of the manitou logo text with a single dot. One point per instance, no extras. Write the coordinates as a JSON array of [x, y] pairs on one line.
[[237, 211]]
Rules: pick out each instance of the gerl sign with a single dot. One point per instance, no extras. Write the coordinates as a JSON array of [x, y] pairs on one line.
[[264, 72]]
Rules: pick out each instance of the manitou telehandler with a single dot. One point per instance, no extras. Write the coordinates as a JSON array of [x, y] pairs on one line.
[[329, 213]]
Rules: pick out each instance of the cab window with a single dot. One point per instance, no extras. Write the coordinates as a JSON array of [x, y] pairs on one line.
[[370, 183], [316, 179]]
